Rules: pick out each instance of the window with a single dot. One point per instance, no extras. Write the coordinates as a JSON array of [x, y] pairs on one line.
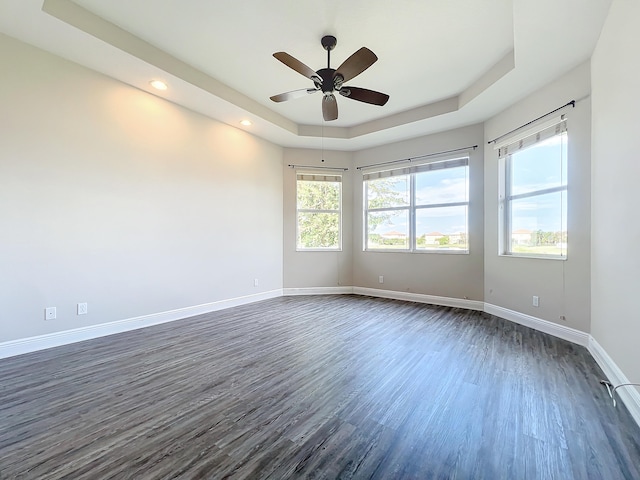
[[418, 208], [533, 198], [319, 200]]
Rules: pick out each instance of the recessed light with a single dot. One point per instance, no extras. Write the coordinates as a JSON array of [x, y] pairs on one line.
[[158, 84], [246, 123]]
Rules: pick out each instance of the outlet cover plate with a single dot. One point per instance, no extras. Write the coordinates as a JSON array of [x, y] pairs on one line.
[[50, 313]]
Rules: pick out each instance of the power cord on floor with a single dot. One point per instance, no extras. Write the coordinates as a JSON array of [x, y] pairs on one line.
[[612, 390]]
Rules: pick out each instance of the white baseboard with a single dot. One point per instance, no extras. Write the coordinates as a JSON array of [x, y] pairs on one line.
[[629, 395], [560, 331], [42, 342], [317, 291], [420, 298]]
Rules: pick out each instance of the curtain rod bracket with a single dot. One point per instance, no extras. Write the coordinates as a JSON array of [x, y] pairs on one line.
[[572, 103]]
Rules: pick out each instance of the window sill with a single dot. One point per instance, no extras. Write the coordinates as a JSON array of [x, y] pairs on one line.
[[318, 249], [419, 252], [535, 257]]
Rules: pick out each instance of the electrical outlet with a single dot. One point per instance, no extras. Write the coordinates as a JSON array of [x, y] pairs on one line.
[[536, 301], [50, 313], [381, 279], [83, 309], [255, 282]]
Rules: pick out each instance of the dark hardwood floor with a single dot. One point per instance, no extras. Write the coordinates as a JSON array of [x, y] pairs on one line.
[[316, 387]]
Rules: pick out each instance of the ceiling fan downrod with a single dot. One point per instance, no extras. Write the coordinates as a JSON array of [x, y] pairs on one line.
[[329, 43]]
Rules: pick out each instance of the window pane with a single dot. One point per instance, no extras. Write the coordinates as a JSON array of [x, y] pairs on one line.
[[541, 166], [442, 228], [539, 224], [448, 185], [388, 230], [388, 192], [318, 230], [318, 195]]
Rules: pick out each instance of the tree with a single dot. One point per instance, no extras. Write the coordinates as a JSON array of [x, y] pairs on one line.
[[380, 194], [318, 230], [318, 214], [544, 238], [444, 240], [318, 204]]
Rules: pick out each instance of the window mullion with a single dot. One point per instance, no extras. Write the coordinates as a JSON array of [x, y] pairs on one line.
[[507, 206], [314, 210], [440, 205], [412, 212], [536, 193], [390, 209], [365, 230]]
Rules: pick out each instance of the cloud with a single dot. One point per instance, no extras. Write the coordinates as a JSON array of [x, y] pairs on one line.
[[446, 191]]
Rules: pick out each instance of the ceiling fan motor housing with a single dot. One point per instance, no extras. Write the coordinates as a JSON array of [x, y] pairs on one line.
[[330, 81]]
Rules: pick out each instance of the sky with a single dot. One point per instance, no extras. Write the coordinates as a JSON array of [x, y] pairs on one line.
[[435, 187], [537, 168], [534, 168]]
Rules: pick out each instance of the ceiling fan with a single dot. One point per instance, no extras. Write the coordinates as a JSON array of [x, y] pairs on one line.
[[327, 79]]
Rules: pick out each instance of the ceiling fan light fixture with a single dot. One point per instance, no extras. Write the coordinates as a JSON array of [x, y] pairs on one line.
[[158, 84], [329, 79]]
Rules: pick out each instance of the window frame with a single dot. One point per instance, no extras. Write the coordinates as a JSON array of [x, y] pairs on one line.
[[413, 169], [506, 198], [308, 210]]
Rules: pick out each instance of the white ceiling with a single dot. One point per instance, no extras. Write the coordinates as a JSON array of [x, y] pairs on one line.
[[444, 63]]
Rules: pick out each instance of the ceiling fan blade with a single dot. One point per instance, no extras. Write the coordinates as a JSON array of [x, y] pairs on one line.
[[364, 95], [283, 97], [298, 66], [329, 107], [356, 64]]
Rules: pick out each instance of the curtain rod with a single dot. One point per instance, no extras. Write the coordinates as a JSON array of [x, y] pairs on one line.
[[316, 167], [572, 103], [410, 159]]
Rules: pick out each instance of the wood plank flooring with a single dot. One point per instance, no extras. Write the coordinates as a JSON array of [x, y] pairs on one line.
[[315, 387]]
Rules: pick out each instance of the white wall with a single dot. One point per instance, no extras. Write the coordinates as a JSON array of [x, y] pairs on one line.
[[562, 286], [445, 275], [615, 231], [317, 269], [112, 196]]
